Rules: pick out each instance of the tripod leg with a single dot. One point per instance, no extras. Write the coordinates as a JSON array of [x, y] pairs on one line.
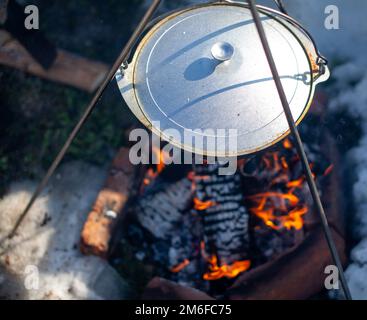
[[300, 149], [121, 58]]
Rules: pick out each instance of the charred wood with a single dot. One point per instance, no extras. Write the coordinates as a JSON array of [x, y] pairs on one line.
[[225, 219]]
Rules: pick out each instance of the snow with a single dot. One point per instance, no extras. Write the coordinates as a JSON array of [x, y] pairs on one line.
[[46, 247], [348, 93], [353, 99], [349, 41]]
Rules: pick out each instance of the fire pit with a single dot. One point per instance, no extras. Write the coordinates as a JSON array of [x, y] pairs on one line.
[[249, 235]]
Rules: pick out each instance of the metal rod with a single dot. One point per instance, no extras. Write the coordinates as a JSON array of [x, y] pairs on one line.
[[300, 149], [121, 59], [281, 6]]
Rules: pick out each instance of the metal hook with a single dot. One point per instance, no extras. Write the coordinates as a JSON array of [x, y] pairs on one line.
[[281, 7]]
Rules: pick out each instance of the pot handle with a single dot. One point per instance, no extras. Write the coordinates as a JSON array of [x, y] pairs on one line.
[[322, 72]]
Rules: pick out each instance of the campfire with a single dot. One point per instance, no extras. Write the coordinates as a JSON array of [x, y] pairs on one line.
[[211, 232], [203, 230]]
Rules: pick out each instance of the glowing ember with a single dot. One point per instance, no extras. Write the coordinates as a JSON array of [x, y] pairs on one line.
[[180, 266], [229, 271], [202, 205], [149, 176], [296, 183], [328, 170], [287, 144]]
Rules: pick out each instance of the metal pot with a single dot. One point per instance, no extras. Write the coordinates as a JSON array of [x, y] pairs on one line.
[[203, 67]]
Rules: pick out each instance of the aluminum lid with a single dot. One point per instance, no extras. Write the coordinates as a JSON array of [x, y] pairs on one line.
[[203, 70]]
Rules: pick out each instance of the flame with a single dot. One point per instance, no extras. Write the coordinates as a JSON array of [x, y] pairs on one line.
[[227, 270], [293, 200], [284, 163], [296, 183], [180, 266], [151, 173], [281, 208], [287, 144], [160, 155], [202, 205], [292, 219]]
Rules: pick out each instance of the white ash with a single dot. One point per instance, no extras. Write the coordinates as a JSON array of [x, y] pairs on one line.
[[49, 240], [161, 206]]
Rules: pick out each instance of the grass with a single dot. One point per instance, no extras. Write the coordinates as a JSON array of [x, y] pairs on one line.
[[36, 116]]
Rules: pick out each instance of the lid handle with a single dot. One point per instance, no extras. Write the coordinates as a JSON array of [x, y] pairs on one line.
[[222, 51]]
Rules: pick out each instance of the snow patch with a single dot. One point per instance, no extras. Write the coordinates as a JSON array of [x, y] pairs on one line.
[[49, 240]]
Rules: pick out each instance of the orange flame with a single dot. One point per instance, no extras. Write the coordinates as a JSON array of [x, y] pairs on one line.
[[280, 209], [293, 200], [284, 163], [160, 156], [229, 271], [293, 218], [296, 183], [287, 144], [202, 205], [151, 174], [180, 266]]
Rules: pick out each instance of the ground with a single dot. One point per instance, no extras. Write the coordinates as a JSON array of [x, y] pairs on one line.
[[48, 240]]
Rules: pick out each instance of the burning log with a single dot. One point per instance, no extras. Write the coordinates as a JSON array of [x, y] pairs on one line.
[[162, 227], [219, 203], [278, 198], [297, 274]]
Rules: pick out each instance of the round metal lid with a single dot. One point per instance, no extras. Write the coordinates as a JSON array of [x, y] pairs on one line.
[[203, 71]]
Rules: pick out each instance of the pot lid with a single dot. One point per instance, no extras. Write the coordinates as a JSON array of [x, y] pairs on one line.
[[203, 71]]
